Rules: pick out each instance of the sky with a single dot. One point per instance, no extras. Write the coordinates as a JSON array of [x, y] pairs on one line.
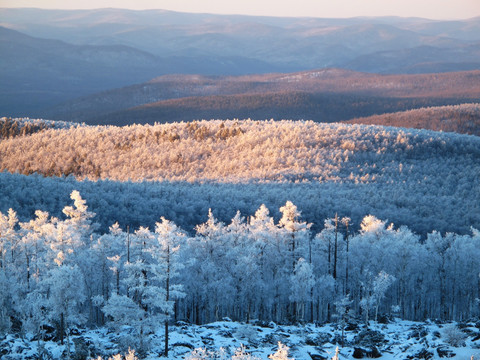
[[432, 9]]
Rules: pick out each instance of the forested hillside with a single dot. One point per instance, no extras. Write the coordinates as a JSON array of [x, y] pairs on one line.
[[10, 128], [423, 179], [238, 151], [463, 119], [324, 95], [293, 105]]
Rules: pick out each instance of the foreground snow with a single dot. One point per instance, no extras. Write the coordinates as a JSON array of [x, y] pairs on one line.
[[395, 340]]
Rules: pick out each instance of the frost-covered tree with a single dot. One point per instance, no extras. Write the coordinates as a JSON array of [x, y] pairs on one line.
[[37, 235], [9, 238], [296, 235], [122, 311], [242, 354], [169, 238], [346, 221], [296, 231], [342, 307], [374, 291], [242, 270], [79, 218], [5, 302], [204, 354], [302, 283], [281, 353], [268, 248], [381, 283], [336, 357], [110, 253], [149, 281], [209, 265], [64, 286], [437, 246]]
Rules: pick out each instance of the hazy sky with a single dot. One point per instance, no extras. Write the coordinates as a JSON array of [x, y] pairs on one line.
[[433, 9]]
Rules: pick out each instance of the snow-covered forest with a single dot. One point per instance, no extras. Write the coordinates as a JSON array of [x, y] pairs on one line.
[[239, 187], [62, 271], [265, 224], [463, 119], [423, 179], [237, 151]]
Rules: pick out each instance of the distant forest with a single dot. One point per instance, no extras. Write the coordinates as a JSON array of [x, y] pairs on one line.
[[11, 128], [325, 95], [464, 119], [327, 107]]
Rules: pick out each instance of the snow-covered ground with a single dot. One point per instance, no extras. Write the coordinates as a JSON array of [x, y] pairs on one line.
[[395, 340]]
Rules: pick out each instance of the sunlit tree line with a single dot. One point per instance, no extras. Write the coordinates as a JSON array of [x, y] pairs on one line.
[[464, 119]]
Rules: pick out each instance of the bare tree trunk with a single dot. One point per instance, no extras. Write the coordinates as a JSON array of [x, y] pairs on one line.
[[166, 338], [167, 299], [347, 291], [61, 328], [128, 251], [28, 270], [335, 249]]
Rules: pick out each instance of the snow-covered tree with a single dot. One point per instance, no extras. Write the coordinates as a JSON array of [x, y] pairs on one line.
[[64, 286], [296, 231], [342, 313], [79, 218], [281, 353], [374, 292], [122, 311], [302, 282], [169, 238]]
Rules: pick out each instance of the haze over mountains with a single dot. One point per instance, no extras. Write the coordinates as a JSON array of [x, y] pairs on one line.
[[53, 56], [325, 95]]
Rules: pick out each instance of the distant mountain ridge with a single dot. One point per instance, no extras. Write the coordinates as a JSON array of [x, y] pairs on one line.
[[110, 48], [324, 95], [464, 118], [289, 44], [39, 73]]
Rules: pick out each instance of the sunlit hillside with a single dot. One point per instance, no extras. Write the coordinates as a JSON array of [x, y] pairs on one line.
[[463, 119], [427, 180], [239, 151]]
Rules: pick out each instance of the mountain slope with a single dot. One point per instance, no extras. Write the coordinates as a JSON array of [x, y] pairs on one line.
[[103, 49], [420, 59], [322, 95], [294, 105], [47, 71], [463, 119], [231, 151], [38, 73]]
